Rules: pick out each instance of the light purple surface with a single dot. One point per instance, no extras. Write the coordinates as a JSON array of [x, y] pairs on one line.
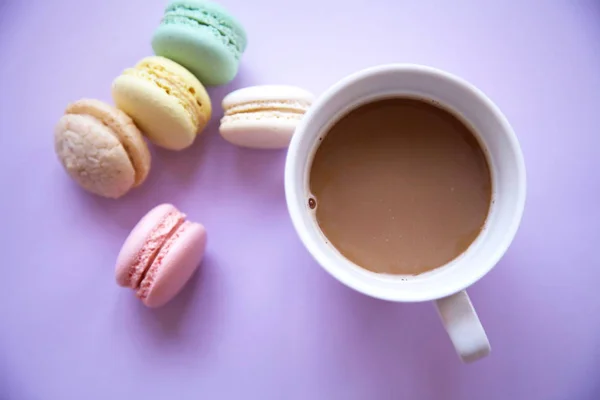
[[262, 320]]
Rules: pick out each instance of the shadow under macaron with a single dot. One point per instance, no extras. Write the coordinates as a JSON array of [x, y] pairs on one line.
[[187, 323], [258, 172], [261, 172]]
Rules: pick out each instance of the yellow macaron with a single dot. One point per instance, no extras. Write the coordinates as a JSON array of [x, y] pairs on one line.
[[165, 100]]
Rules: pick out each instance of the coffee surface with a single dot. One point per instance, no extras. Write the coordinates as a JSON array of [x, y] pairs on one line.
[[401, 186]]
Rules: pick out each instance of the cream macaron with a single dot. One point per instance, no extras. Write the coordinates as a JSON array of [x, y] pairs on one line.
[[263, 117]]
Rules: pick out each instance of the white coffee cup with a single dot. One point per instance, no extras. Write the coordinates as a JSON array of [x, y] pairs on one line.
[[445, 285]]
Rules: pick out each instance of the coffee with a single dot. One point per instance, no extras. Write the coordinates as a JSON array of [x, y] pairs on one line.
[[400, 186]]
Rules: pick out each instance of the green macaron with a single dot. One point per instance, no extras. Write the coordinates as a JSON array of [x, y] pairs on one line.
[[203, 37]]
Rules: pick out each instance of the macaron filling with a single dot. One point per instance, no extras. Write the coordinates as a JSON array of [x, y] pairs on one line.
[[292, 106], [156, 240], [172, 85], [149, 277], [261, 115], [229, 36], [289, 110]]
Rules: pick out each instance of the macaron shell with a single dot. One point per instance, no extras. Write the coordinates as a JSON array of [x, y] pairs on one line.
[[266, 93], [259, 134], [217, 13], [156, 113], [142, 244], [198, 50], [93, 156], [122, 126], [174, 265]]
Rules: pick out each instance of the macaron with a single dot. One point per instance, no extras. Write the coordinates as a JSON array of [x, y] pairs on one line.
[[263, 117], [101, 149], [203, 37], [160, 255], [165, 100]]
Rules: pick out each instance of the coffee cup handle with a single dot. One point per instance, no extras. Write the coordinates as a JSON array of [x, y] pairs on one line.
[[463, 326]]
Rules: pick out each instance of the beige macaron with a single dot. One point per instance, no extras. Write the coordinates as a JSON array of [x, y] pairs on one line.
[[101, 148]]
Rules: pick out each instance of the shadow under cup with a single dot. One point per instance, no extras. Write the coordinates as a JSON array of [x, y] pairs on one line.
[[495, 136]]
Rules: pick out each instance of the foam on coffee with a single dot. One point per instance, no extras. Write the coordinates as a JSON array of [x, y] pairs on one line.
[[400, 186]]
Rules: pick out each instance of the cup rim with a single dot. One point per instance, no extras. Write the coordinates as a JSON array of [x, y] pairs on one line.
[[296, 211]]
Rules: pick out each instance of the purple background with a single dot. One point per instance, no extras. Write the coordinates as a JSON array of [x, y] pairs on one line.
[[261, 320]]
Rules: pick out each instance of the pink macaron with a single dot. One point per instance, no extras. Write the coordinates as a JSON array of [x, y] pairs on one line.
[[160, 255]]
